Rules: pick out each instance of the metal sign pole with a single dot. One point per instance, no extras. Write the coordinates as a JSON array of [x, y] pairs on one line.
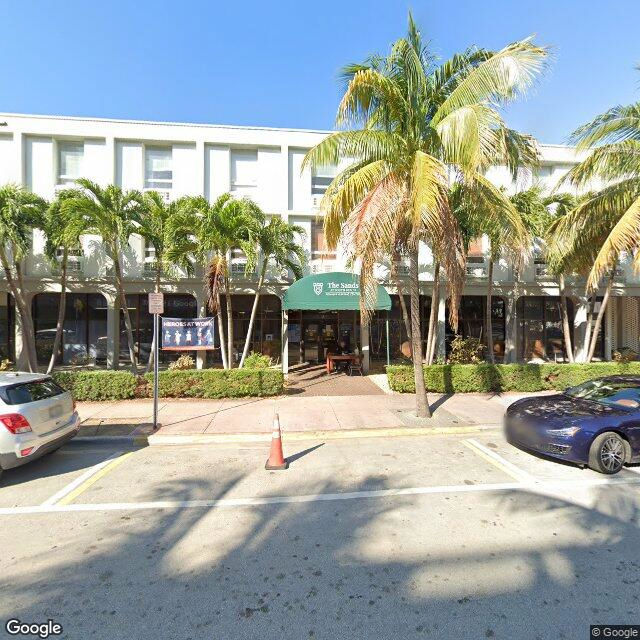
[[156, 339]]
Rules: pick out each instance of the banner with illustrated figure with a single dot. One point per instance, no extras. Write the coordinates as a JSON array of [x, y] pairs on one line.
[[188, 334]]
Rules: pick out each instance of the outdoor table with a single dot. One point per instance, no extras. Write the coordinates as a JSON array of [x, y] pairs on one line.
[[331, 358]]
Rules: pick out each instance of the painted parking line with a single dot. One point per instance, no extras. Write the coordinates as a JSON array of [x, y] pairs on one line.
[[499, 462], [556, 488], [82, 483]]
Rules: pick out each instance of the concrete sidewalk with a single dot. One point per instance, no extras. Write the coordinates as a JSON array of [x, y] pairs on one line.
[[195, 417]]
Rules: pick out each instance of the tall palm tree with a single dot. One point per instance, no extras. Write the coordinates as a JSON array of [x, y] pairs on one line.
[[152, 223], [609, 218], [20, 212], [110, 213], [276, 242], [210, 232], [63, 228], [408, 127]]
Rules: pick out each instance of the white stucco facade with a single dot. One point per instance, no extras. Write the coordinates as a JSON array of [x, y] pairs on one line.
[[44, 153]]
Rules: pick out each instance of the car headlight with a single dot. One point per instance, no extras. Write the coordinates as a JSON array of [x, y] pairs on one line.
[[564, 432]]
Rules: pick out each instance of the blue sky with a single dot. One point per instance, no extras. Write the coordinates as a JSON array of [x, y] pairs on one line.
[[276, 63]]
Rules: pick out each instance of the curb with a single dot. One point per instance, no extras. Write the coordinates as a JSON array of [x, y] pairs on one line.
[[137, 440], [158, 439]]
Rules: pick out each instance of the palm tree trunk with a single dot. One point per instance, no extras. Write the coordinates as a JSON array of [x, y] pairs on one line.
[[422, 402], [229, 325], [28, 339], [152, 355], [566, 330], [600, 316], [125, 310], [223, 345], [62, 306], [488, 316], [433, 315], [254, 311]]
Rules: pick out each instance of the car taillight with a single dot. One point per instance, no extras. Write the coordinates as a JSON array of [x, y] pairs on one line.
[[15, 423]]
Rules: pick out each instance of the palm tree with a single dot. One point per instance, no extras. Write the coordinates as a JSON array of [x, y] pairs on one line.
[[210, 231], [63, 228], [20, 212], [153, 224], [408, 127], [277, 241], [110, 213], [606, 223]]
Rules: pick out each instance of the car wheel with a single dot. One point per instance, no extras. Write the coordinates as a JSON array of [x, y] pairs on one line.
[[607, 453]]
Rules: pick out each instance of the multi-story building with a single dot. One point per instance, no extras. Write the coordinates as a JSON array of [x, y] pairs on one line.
[[46, 153]]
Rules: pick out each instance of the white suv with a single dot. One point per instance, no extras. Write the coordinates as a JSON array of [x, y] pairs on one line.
[[36, 417]]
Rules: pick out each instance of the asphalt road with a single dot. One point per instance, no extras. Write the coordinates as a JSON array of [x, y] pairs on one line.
[[431, 537]]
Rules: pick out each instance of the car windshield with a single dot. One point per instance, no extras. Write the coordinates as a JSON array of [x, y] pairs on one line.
[[618, 394]]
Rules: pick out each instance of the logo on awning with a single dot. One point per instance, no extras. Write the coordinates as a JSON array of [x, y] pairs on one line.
[[317, 287]]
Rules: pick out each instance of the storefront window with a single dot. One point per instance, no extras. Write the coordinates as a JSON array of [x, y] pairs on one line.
[[84, 331], [540, 328], [471, 322]]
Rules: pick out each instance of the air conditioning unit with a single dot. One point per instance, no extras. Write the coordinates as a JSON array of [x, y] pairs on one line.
[[74, 266], [542, 270], [402, 269], [238, 269], [321, 267]]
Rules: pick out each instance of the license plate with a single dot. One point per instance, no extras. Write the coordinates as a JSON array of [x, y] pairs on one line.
[[55, 411]]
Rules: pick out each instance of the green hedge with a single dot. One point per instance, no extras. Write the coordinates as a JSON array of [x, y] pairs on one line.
[[217, 383], [97, 385], [467, 378], [204, 383]]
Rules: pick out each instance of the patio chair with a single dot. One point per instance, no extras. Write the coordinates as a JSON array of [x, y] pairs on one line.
[[355, 366]]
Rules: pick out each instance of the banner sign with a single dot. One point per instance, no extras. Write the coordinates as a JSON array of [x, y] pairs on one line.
[[188, 334]]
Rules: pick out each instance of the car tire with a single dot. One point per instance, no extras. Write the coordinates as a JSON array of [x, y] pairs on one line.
[[608, 453]]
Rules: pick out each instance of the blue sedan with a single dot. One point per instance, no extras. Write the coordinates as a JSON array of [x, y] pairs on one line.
[[596, 423]]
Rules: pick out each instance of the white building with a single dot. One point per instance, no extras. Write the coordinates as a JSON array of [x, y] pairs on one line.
[[45, 153]]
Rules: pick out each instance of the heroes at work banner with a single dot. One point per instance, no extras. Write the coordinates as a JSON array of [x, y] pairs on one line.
[[188, 334]]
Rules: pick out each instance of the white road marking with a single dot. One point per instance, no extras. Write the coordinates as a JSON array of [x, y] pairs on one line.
[[56, 497], [509, 467], [555, 488]]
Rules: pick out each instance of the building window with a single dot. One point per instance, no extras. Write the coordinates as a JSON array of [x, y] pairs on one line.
[[70, 156], [244, 170], [321, 178], [318, 244], [157, 168]]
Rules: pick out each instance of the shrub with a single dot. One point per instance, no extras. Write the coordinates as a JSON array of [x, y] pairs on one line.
[[184, 362], [625, 355], [257, 361], [485, 377], [218, 383], [97, 385], [466, 351]]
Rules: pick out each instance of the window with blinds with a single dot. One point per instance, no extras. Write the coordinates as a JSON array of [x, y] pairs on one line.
[[244, 169], [318, 243], [321, 178], [70, 157], [158, 173]]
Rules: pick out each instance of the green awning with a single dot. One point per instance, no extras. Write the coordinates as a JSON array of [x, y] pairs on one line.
[[335, 291]]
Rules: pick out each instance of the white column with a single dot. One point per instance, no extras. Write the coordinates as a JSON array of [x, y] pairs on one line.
[[581, 306], [511, 332], [18, 159], [285, 341], [286, 187], [366, 352], [109, 175], [441, 333], [113, 332], [200, 167]]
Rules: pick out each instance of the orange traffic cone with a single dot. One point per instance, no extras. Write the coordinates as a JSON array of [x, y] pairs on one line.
[[276, 461]]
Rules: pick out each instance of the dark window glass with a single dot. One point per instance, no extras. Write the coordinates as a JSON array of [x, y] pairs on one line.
[[31, 392]]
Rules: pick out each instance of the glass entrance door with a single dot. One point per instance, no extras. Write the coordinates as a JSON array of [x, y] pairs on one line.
[[320, 335]]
